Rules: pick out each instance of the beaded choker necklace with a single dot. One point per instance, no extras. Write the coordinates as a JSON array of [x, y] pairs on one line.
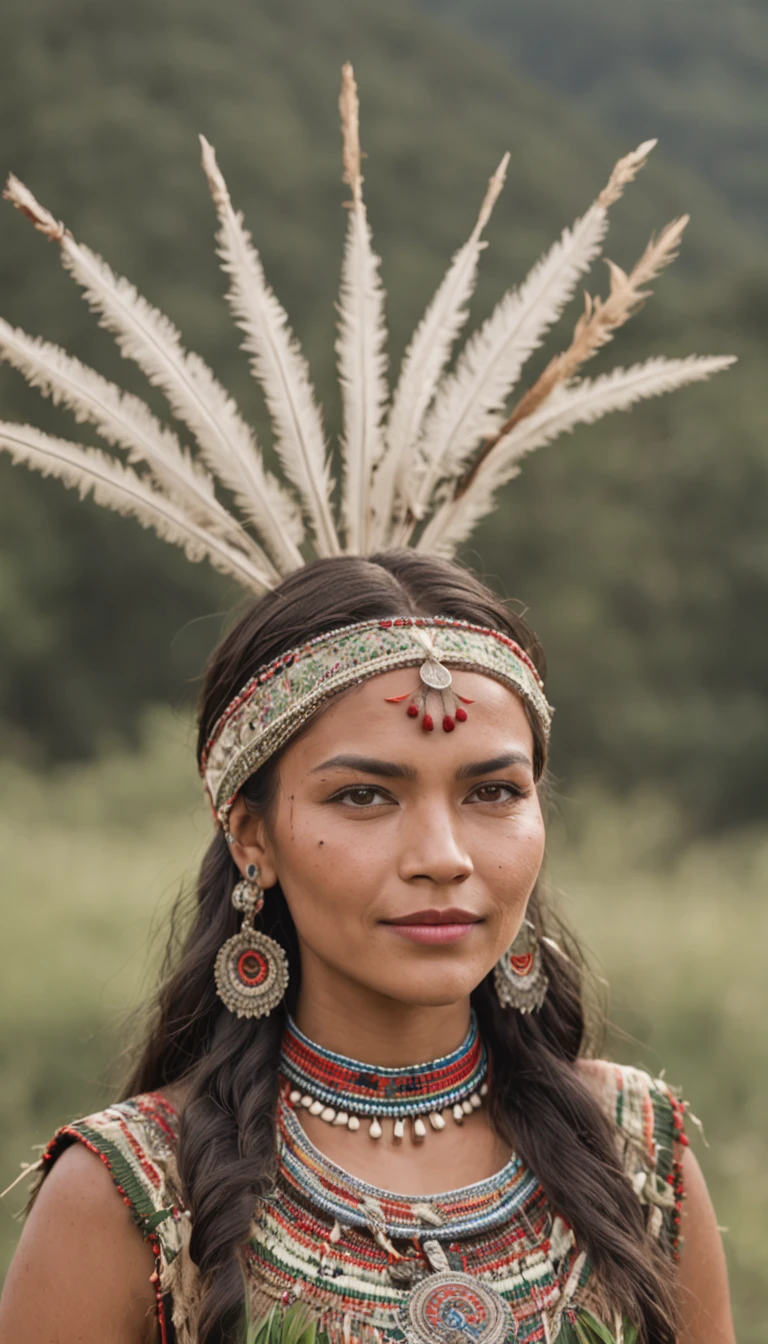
[[345, 1091]]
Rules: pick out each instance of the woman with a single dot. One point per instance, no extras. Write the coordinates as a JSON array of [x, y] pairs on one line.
[[398, 867], [366, 1108]]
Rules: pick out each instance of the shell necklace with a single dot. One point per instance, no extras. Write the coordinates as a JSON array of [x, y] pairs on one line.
[[344, 1091]]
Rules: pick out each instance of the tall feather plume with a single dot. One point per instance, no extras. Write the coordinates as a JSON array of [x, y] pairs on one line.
[[119, 487], [361, 338], [125, 421], [424, 362], [601, 319], [467, 407], [277, 362], [194, 394], [442, 423], [463, 498], [582, 402]]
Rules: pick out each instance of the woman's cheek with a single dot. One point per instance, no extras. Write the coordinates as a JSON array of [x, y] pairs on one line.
[[323, 888]]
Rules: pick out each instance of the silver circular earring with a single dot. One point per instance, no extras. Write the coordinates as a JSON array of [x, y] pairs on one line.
[[519, 976], [251, 969]]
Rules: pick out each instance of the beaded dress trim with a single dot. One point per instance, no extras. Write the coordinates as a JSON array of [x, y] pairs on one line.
[[345, 1198], [352, 1251]]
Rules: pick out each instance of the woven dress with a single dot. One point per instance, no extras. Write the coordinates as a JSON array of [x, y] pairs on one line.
[[355, 1255]]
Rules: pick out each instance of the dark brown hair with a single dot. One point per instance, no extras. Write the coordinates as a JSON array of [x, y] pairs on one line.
[[540, 1103]]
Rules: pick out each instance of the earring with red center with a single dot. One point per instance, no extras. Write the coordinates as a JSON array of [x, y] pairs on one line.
[[251, 969]]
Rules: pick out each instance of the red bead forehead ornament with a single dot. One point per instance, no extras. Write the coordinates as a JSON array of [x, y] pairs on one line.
[[436, 679]]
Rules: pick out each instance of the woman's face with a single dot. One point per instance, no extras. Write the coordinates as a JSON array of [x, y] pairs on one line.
[[406, 858]]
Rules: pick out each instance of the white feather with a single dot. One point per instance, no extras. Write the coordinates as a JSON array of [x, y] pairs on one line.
[[118, 487], [277, 362], [582, 402], [424, 362], [361, 338], [127, 422], [197, 398], [468, 404], [194, 394], [362, 366]]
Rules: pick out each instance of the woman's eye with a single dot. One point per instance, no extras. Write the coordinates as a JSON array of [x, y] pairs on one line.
[[497, 793], [362, 795]]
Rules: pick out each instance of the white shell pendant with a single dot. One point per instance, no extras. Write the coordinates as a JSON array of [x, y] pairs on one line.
[[420, 1124]]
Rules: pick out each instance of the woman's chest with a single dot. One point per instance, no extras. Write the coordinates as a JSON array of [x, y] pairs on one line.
[[474, 1267]]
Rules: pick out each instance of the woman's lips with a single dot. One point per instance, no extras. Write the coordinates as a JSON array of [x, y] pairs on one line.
[[434, 926]]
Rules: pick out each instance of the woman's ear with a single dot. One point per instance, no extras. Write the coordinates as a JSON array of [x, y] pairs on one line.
[[250, 842]]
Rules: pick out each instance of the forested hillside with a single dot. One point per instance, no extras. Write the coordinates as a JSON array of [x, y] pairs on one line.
[[641, 549], [694, 71]]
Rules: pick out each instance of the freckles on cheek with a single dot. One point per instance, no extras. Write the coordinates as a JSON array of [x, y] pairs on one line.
[[521, 868]]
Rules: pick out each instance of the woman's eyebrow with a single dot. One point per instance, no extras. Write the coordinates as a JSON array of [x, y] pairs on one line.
[[502, 762], [371, 765]]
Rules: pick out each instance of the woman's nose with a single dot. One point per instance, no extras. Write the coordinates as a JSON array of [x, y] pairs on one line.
[[431, 847]]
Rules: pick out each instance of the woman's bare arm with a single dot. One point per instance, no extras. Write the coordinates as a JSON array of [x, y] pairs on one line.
[[81, 1271], [705, 1305]]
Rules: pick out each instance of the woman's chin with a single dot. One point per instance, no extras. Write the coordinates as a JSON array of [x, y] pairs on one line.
[[432, 986]]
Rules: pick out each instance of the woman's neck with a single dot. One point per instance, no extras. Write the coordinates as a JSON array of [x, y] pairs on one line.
[[350, 1020]]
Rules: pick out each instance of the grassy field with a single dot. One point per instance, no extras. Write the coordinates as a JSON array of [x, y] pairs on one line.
[[93, 857]]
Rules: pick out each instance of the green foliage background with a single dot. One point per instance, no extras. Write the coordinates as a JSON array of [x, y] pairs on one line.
[[694, 71], [640, 547]]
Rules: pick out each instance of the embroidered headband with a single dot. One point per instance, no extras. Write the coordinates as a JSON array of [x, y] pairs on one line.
[[280, 698]]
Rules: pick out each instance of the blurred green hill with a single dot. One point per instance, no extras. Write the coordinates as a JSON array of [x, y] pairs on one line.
[[693, 72], [641, 548]]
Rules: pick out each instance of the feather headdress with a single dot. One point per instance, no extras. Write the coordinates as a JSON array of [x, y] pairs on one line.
[[431, 456]]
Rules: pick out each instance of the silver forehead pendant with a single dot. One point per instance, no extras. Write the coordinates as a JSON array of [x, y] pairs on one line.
[[435, 677]]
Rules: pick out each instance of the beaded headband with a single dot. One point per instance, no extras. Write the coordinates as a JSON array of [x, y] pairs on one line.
[[280, 698]]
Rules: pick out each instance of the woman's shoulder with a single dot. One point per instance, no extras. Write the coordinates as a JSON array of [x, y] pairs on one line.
[[101, 1178], [136, 1142], [645, 1109], [649, 1117], [80, 1244]]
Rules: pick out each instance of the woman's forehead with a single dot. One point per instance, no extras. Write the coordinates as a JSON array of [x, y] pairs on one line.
[[375, 712]]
